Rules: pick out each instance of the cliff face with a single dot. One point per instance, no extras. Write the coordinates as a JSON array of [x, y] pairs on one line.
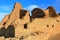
[[42, 23]]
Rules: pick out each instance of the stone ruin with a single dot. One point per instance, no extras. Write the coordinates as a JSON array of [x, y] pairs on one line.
[[42, 25]]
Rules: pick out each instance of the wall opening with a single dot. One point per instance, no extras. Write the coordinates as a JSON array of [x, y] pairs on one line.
[[25, 26], [10, 31], [37, 13], [2, 31], [57, 20], [59, 14], [4, 23], [22, 13], [52, 25], [47, 25]]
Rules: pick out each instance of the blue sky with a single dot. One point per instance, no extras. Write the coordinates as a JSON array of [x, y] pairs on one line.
[[6, 6]]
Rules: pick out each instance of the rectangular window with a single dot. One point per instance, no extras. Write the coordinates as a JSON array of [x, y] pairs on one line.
[[25, 26]]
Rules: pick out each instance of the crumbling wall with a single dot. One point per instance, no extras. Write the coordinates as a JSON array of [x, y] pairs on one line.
[[20, 24], [5, 19], [15, 13], [37, 13], [52, 12], [7, 33]]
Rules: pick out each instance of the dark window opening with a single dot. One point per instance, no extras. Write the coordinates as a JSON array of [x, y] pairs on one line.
[[25, 26], [4, 23], [47, 25], [22, 13], [30, 18], [58, 13], [57, 20], [52, 25]]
